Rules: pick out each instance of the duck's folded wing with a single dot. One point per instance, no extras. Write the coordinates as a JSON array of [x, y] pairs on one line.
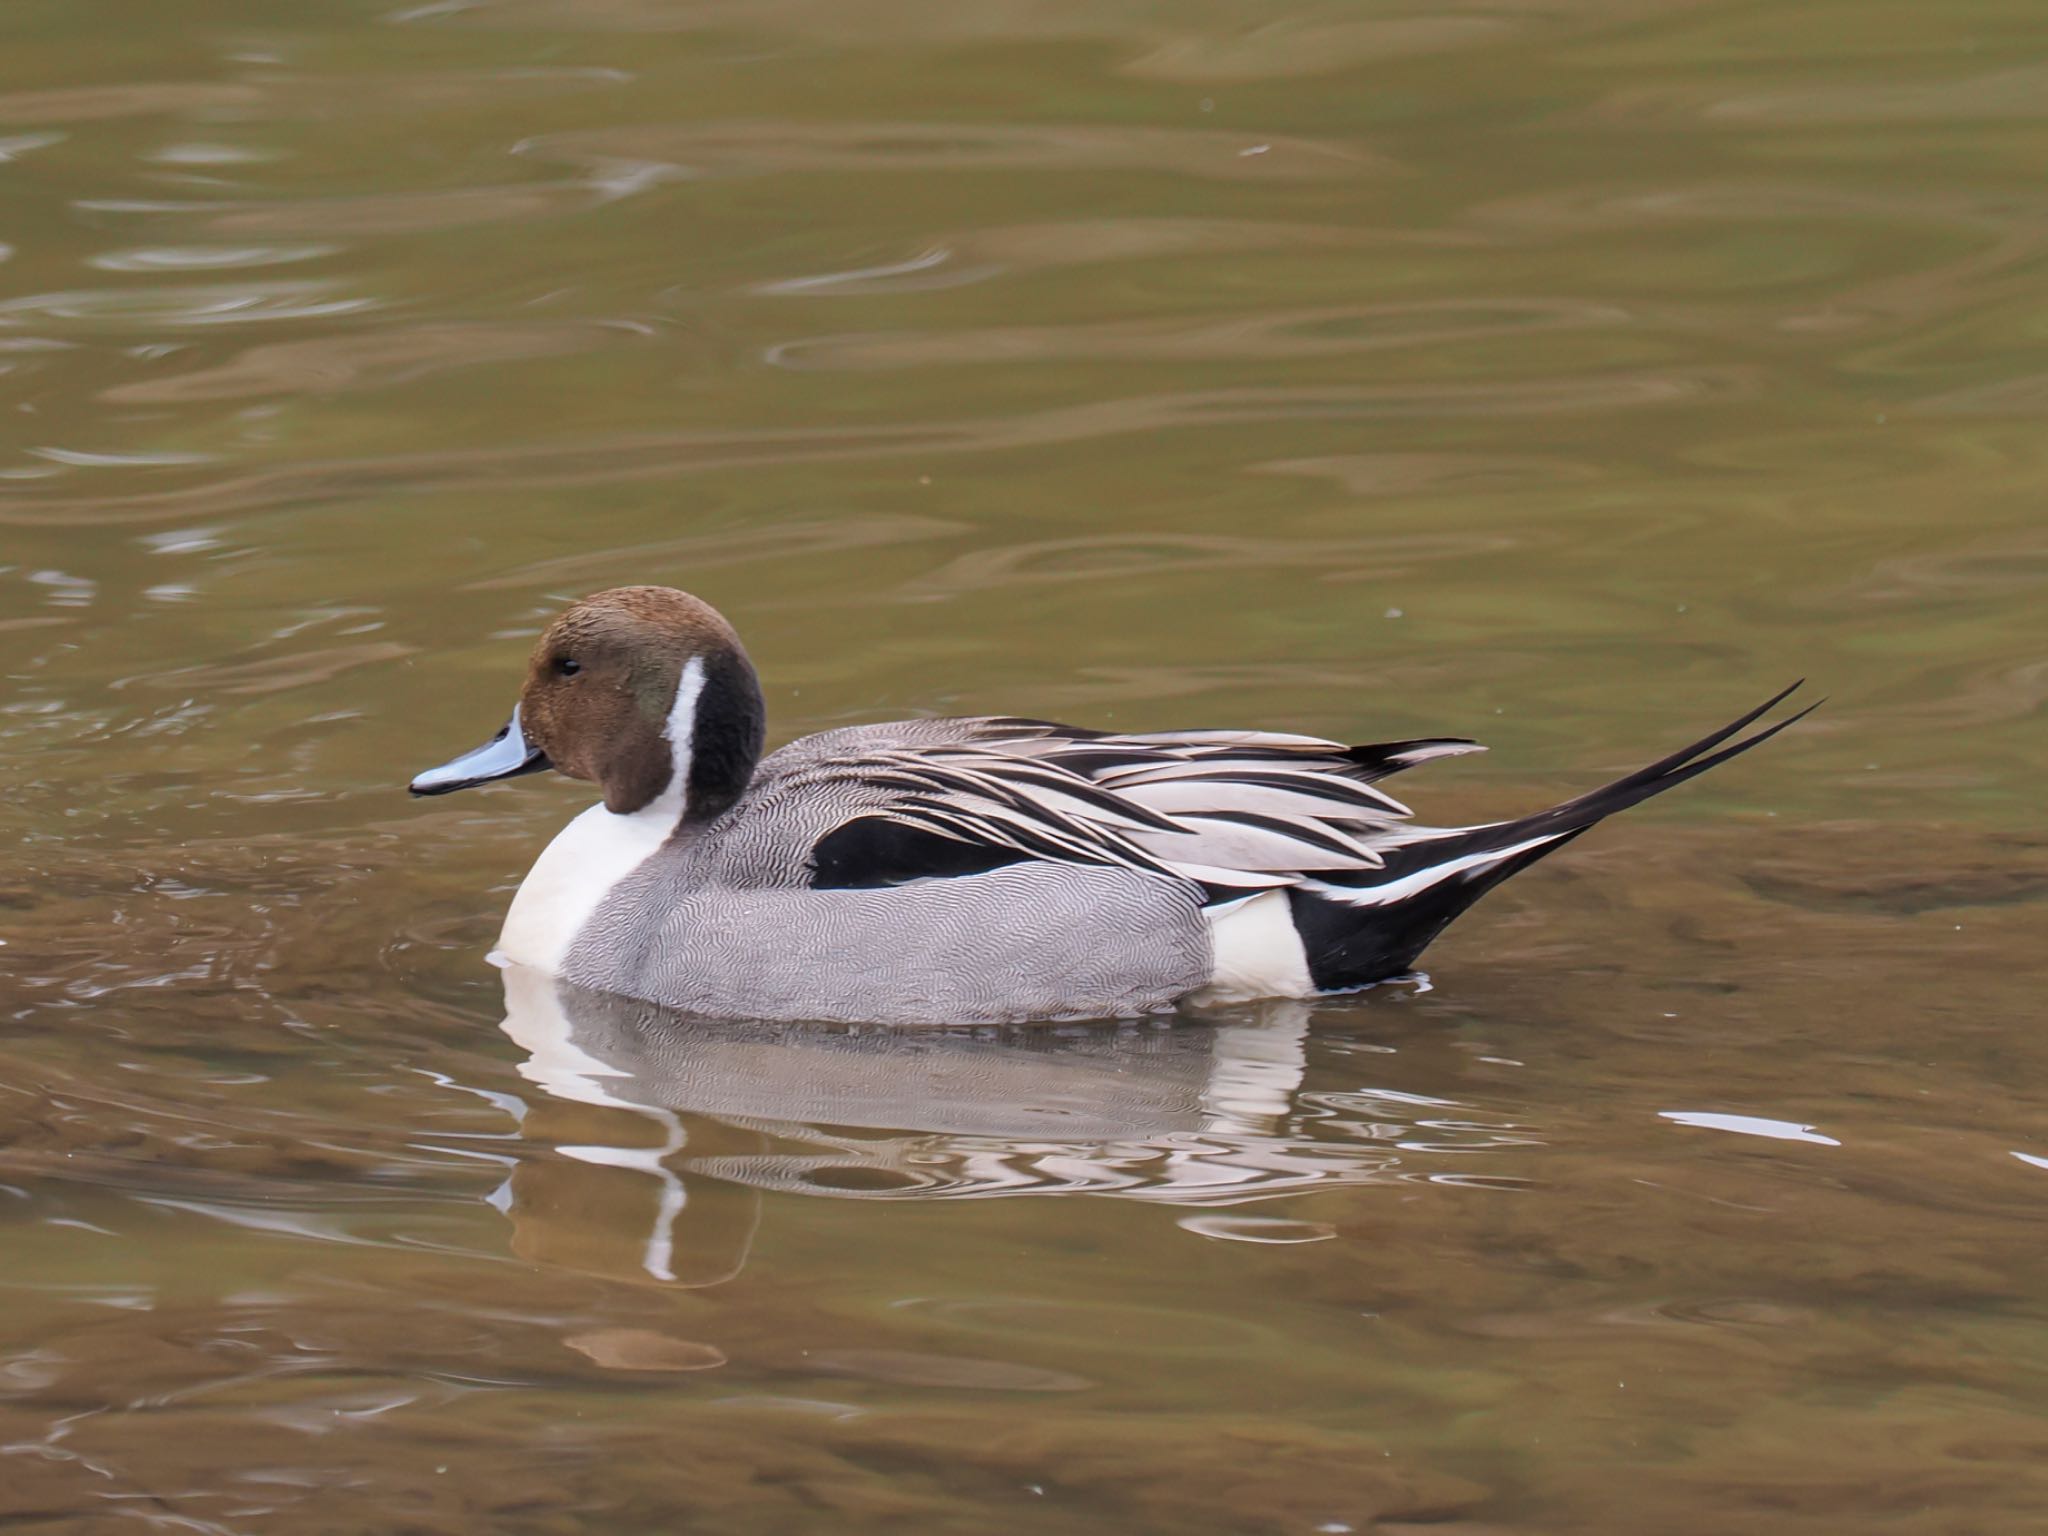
[[1231, 810]]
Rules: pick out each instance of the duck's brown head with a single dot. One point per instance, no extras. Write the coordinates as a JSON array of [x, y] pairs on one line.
[[645, 691]]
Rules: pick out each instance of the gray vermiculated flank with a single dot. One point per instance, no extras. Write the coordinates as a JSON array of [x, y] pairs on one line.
[[723, 920], [1027, 941]]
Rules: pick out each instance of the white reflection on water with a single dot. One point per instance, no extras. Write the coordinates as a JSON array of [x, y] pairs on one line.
[[194, 258], [198, 153], [78, 458], [14, 146], [219, 305], [919, 273], [1748, 1125]]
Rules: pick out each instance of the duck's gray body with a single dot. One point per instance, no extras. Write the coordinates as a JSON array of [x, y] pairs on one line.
[[1029, 941], [966, 871], [726, 920]]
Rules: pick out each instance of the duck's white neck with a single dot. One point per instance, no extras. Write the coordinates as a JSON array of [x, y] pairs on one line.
[[591, 855]]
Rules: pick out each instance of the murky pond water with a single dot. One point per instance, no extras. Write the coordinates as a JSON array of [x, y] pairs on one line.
[[1569, 377]]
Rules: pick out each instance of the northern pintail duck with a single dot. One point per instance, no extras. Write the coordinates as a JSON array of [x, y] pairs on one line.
[[964, 871]]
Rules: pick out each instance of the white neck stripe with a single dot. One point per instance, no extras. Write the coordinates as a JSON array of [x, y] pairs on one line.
[[680, 733]]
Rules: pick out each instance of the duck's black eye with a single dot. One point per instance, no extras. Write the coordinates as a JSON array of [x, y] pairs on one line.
[[567, 666]]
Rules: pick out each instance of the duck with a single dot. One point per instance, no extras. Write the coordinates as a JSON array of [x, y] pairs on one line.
[[969, 871]]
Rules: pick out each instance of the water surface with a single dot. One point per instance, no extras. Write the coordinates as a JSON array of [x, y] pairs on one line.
[[1570, 378]]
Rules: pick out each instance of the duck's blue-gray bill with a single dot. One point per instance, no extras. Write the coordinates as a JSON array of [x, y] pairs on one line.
[[505, 756]]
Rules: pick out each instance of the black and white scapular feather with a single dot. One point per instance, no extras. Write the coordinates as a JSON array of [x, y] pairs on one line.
[[971, 870]]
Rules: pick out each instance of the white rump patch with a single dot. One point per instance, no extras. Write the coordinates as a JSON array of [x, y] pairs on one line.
[[1258, 952]]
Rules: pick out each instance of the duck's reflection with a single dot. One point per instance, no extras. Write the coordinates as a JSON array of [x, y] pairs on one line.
[[668, 1128]]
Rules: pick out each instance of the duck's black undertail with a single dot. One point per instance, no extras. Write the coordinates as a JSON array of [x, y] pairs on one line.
[[1362, 928]]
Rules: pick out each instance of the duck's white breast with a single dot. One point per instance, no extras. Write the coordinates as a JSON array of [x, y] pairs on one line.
[[573, 875], [598, 849]]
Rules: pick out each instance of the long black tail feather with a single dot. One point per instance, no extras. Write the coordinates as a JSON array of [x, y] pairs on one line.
[[1376, 923]]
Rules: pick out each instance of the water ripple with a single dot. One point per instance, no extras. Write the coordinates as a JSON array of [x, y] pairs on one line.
[[375, 359], [248, 303], [779, 147], [196, 258], [661, 455], [92, 103], [1278, 334]]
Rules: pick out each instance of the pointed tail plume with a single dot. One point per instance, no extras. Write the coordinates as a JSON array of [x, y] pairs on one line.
[[1372, 925]]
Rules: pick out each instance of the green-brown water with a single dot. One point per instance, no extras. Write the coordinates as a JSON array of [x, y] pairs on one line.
[[1571, 377]]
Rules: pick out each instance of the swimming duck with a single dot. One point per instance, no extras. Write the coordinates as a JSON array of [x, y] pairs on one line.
[[964, 871]]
